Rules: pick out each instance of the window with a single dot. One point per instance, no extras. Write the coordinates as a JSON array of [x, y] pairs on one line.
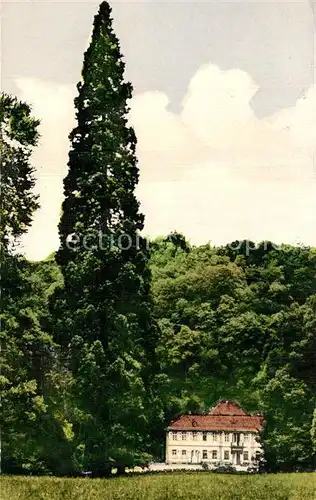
[[184, 436], [226, 436], [214, 454], [246, 456], [184, 452], [204, 454], [174, 452], [246, 436], [195, 435], [174, 436], [204, 436], [214, 434], [226, 455], [234, 438]]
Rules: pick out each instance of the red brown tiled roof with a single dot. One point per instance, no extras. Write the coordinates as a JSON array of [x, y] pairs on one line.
[[225, 416], [227, 408]]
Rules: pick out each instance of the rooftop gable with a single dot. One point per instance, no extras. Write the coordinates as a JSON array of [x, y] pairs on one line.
[[225, 407]]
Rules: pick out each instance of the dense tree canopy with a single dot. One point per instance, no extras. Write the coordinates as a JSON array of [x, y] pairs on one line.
[[240, 324], [26, 347], [18, 136]]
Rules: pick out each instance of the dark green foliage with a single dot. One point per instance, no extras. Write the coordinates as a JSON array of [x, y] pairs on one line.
[[288, 405], [33, 433], [102, 314], [18, 136], [19, 331]]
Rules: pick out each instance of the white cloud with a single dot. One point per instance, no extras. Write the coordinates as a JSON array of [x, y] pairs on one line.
[[53, 105], [245, 178], [215, 171]]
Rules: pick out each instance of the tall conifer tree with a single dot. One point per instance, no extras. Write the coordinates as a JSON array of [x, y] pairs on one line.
[[103, 309]]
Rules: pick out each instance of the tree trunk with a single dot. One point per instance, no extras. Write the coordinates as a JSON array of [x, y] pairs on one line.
[[121, 470]]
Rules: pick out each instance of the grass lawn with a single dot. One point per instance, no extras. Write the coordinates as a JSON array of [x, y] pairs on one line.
[[174, 486]]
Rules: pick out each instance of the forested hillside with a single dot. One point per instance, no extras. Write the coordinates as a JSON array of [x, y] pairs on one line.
[[240, 324], [231, 325]]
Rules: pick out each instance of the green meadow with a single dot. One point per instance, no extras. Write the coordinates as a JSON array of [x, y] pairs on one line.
[[176, 486]]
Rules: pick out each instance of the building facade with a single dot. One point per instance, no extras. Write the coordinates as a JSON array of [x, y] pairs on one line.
[[226, 435]]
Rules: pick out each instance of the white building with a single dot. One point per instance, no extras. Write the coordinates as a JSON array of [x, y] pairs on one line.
[[227, 435]]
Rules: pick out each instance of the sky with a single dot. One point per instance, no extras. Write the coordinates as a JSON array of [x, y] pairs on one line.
[[224, 109]]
